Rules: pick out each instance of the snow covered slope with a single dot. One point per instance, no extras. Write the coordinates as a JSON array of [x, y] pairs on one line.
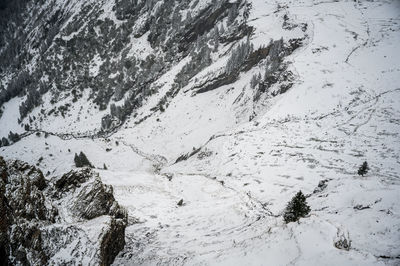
[[238, 153]]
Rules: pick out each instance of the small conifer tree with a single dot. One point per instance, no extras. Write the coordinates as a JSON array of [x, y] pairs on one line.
[[296, 208], [363, 169], [81, 160], [5, 141]]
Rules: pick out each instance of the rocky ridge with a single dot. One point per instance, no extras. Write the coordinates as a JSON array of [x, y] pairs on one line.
[[45, 219]]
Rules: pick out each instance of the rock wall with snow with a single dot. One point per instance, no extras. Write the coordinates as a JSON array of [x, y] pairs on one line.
[[72, 220]]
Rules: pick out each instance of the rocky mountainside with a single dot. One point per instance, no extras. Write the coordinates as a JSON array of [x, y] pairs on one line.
[[98, 62], [72, 220], [203, 119]]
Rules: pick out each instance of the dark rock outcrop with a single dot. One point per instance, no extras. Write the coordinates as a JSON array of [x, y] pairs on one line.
[[93, 200], [71, 180], [113, 241], [24, 211], [77, 215]]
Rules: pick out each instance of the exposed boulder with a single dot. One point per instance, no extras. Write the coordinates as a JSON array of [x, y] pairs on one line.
[[342, 240], [71, 180], [93, 200]]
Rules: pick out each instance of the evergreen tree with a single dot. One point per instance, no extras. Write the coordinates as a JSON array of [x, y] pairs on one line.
[[255, 79], [32, 100], [239, 56], [216, 37], [296, 208], [233, 13], [5, 142], [82, 161], [14, 137], [363, 169]]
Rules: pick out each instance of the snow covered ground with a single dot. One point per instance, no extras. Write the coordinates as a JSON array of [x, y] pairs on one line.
[[343, 109]]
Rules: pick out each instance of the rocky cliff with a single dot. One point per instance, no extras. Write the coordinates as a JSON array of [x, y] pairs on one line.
[[71, 220]]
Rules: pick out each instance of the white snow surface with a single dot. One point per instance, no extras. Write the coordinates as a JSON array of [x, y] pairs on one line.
[[343, 109]]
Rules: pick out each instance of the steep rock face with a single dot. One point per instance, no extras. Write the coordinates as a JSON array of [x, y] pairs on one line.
[[5, 214], [71, 180], [90, 198], [112, 242], [37, 226], [93, 200], [25, 210]]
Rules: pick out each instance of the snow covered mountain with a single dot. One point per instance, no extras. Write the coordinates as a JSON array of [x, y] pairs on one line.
[[228, 108]]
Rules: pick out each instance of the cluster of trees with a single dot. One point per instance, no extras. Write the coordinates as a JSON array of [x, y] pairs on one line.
[[12, 32], [118, 74], [15, 87], [116, 111], [200, 59], [118, 114], [273, 65], [207, 41], [82, 161], [255, 80], [15, 53], [33, 99], [239, 56], [12, 138], [232, 14]]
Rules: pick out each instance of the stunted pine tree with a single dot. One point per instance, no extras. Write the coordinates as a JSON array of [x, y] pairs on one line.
[[296, 208], [364, 168], [4, 142]]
